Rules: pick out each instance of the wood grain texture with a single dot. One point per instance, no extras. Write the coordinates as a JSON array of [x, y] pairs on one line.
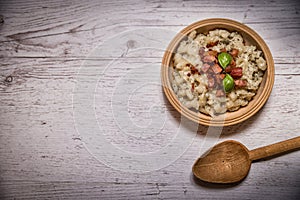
[[274, 149], [44, 43]]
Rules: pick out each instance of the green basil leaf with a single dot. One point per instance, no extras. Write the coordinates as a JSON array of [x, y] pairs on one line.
[[228, 83], [224, 59]]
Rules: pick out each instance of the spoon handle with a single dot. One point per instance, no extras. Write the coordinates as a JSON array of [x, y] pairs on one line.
[[273, 149]]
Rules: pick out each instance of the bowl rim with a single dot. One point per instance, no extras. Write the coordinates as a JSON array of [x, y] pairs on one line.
[[199, 117]]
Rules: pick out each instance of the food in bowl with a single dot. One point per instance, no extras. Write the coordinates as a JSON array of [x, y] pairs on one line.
[[216, 72]]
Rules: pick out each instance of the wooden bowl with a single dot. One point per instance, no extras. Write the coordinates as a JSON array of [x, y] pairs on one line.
[[229, 118]]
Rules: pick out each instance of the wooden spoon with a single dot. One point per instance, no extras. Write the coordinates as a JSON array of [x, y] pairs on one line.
[[230, 161]]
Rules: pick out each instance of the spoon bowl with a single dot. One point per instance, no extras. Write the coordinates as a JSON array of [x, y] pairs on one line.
[[227, 162], [230, 161]]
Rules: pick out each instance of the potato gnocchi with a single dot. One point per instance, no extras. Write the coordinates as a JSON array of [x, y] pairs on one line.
[[198, 77]]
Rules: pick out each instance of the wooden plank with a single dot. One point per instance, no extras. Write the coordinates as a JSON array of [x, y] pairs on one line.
[[75, 36]]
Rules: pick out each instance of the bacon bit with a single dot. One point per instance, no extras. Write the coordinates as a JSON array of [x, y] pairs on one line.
[[234, 52], [220, 93], [209, 58], [223, 50], [210, 72], [194, 70], [201, 51], [232, 63], [193, 87], [213, 53], [205, 67], [240, 83], [211, 44], [222, 76], [211, 63], [216, 68], [188, 74], [211, 82], [209, 76], [188, 65], [228, 69], [218, 79], [236, 72]]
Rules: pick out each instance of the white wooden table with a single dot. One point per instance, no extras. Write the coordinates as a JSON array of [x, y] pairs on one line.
[[48, 141]]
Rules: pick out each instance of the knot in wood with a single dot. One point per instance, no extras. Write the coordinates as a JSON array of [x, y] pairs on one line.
[[131, 44], [9, 79]]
